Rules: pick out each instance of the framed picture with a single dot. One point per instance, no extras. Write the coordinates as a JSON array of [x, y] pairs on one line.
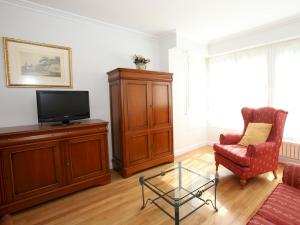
[[31, 64]]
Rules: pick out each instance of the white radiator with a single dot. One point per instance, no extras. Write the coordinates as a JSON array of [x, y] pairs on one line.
[[289, 152]]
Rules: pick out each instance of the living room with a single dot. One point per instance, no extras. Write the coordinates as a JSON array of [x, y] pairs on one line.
[[152, 112]]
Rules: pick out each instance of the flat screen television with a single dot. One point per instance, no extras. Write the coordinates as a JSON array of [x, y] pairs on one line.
[[62, 106]]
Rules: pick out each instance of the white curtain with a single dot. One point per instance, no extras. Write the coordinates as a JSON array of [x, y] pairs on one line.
[[235, 81], [269, 75], [286, 85]]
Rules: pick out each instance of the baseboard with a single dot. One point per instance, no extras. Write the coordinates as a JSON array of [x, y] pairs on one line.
[[180, 151]]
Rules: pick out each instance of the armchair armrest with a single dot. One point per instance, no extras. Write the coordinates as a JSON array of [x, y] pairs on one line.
[[291, 175], [230, 139], [260, 149]]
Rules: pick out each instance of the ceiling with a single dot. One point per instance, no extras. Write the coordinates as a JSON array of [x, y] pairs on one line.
[[201, 19]]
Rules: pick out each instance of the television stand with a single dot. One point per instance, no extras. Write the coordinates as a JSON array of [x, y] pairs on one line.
[[67, 158]]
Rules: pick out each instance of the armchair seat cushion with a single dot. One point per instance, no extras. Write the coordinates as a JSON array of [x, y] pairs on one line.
[[236, 153]]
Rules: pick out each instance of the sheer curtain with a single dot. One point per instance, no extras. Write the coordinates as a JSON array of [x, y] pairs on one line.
[[258, 77], [286, 84], [235, 81]]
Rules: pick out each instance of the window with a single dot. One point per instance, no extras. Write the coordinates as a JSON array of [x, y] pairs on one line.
[[235, 81], [286, 85], [258, 77]]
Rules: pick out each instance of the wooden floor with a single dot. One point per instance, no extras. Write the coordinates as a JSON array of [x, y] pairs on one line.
[[119, 202]]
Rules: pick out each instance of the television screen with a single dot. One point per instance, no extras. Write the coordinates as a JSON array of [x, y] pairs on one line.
[[62, 106]]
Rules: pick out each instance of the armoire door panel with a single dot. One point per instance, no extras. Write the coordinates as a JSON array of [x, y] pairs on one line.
[[138, 148], [86, 158], [42, 174], [161, 143], [161, 114], [136, 94]]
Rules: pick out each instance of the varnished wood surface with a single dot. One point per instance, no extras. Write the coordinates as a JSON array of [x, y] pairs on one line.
[[5, 131], [141, 119], [45, 163], [119, 202], [134, 74]]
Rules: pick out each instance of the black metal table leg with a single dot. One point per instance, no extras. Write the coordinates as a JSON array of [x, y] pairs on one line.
[[216, 184], [142, 179], [176, 205]]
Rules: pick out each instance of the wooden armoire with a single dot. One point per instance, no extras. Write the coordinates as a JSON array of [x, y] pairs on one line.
[[141, 119]]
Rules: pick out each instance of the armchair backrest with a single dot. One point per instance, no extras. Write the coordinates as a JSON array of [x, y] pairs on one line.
[[276, 117]]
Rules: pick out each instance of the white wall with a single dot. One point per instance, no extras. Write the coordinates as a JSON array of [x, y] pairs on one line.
[[278, 31], [189, 99], [166, 41], [97, 48]]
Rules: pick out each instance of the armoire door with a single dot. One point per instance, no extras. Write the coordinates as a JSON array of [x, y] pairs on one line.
[[32, 169], [161, 143], [137, 101], [136, 104], [86, 157], [138, 148], [161, 104]]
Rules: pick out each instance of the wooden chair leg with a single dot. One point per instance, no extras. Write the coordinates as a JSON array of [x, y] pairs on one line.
[[217, 166], [275, 174], [6, 220], [243, 183]]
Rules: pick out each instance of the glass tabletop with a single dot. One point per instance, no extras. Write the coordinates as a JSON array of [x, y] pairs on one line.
[[180, 182]]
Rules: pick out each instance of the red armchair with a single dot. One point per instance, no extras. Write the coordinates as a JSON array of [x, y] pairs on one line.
[[247, 162]]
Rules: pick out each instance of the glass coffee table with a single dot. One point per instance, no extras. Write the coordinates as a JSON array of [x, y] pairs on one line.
[[178, 187]]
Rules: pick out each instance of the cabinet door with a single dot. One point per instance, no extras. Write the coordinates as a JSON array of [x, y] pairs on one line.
[[161, 143], [161, 104], [136, 105], [32, 169], [87, 157], [137, 148]]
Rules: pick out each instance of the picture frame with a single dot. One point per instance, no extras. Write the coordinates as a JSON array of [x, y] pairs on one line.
[[34, 64]]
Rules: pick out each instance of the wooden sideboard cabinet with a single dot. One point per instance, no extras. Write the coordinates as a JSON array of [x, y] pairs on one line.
[[141, 116], [39, 163]]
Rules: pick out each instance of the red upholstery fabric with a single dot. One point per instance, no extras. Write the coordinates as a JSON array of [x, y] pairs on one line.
[[291, 175], [235, 153], [283, 205], [255, 159], [230, 139], [259, 220]]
